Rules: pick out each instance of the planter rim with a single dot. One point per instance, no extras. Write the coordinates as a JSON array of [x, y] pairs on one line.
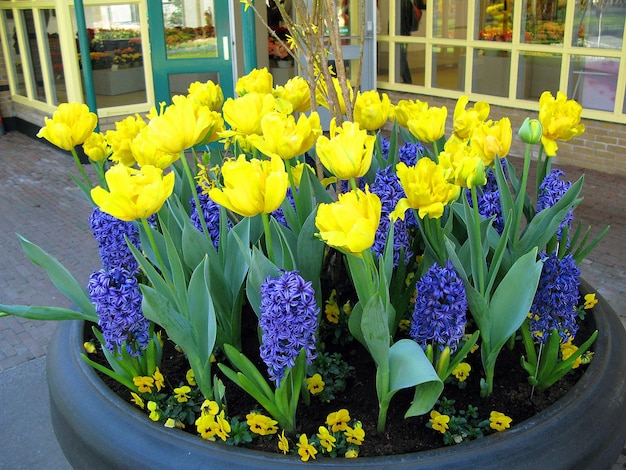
[[592, 405]]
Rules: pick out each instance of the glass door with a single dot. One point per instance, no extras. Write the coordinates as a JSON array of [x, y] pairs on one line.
[[190, 42]]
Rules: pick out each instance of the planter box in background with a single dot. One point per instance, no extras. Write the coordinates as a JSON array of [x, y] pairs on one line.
[[111, 82]]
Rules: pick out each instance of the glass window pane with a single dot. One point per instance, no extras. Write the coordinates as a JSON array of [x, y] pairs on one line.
[[450, 20], [495, 20], [410, 59], [598, 24], [594, 82], [410, 17], [446, 61], [544, 22], [492, 70], [189, 29], [116, 54], [538, 73]]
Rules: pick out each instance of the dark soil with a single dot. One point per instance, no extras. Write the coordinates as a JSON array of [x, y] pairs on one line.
[[511, 396]]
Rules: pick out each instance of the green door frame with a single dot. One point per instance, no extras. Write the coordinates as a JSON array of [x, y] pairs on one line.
[[162, 67]]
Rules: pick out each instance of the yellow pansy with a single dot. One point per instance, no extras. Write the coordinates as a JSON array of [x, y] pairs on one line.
[[426, 187], [350, 223], [244, 114], [371, 109], [261, 424], [305, 449], [96, 147], [439, 421], [466, 120], [560, 119], [338, 420], [429, 125], [499, 421], [133, 194], [257, 81], [461, 371], [297, 92], [348, 152], [408, 109], [315, 384], [207, 94], [567, 349], [327, 440], [283, 443], [355, 435], [252, 187], [491, 140], [284, 138], [120, 138], [70, 125], [183, 125]]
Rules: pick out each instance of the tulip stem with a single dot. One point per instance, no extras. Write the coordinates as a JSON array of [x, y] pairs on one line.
[[268, 236], [521, 195], [478, 250], [194, 192], [81, 168]]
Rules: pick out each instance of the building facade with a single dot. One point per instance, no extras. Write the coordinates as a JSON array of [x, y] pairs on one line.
[[503, 52]]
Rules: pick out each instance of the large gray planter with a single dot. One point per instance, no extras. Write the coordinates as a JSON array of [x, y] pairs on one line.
[[586, 429]]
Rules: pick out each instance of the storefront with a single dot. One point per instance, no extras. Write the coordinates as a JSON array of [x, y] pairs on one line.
[[505, 52]]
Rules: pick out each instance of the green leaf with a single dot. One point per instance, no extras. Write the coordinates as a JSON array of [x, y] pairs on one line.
[[375, 329], [513, 297], [61, 278], [43, 313], [260, 268]]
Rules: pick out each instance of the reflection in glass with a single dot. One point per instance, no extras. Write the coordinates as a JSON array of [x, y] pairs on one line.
[[410, 60], [495, 20], [450, 20], [409, 16], [598, 24], [593, 82], [538, 73], [492, 70], [116, 54], [446, 62], [190, 29], [544, 23]]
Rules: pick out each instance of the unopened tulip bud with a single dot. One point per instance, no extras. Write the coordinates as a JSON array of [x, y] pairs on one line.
[[531, 131]]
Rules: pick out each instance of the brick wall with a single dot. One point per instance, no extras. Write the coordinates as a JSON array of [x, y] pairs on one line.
[[602, 147]]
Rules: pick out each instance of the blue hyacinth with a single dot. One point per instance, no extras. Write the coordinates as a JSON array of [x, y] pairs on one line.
[[440, 308], [211, 213], [551, 191], [109, 232], [488, 197], [388, 188], [288, 322], [554, 305], [117, 298], [409, 153]]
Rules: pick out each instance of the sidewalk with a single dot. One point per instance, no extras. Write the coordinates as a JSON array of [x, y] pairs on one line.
[[41, 202]]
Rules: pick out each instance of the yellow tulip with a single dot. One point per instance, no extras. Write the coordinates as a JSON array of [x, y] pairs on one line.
[[146, 153], [207, 94], [427, 189], [406, 109], [321, 93], [96, 147], [350, 224], [428, 125], [297, 170], [297, 92], [465, 164], [348, 152], [257, 81], [70, 125], [120, 138], [560, 119], [466, 120], [492, 140], [133, 194], [371, 110], [244, 114], [183, 125], [252, 187], [284, 138]]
